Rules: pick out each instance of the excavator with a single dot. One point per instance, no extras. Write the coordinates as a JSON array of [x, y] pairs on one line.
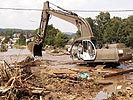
[[84, 48]]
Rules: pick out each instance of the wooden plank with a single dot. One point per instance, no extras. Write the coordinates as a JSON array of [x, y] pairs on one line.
[[118, 73], [4, 89]]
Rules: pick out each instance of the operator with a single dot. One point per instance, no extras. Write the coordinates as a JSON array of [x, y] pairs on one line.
[[80, 49]]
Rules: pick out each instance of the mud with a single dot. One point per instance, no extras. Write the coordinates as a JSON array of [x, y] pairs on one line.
[[55, 77]]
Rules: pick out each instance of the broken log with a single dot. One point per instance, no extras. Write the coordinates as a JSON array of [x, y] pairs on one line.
[[104, 82], [4, 89], [118, 73]]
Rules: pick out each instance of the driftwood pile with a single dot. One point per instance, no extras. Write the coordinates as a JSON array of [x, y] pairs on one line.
[[18, 82], [13, 79]]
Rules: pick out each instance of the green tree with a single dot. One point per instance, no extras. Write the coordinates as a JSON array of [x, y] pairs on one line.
[[112, 30], [92, 25], [54, 37], [21, 40], [115, 26], [128, 31], [77, 35], [50, 35], [61, 39], [100, 28], [6, 39]]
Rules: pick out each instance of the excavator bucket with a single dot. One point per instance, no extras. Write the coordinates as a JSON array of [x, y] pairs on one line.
[[35, 49]]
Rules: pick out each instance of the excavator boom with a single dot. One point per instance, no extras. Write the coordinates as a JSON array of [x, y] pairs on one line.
[[79, 22]]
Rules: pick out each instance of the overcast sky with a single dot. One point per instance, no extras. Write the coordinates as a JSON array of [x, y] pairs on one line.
[[31, 19]]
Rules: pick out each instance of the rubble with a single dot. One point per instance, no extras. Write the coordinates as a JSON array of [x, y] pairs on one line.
[[33, 79], [23, 84]]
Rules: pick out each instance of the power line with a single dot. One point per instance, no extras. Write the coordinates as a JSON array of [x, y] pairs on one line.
[[20, 9], [127, 10], [124, 10]]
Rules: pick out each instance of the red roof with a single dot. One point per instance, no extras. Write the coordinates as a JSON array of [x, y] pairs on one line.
[[1, 37]]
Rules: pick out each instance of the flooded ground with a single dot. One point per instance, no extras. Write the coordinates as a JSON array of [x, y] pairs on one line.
[[120, 82], [14, 54]]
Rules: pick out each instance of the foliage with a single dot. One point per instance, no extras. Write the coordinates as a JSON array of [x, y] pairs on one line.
[[21, 40], [54, 37], [50, 35], [61, 39], [78, 34], [112, 30]]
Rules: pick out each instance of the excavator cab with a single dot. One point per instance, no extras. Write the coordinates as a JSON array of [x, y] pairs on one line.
[[83, 50], [89, 51]]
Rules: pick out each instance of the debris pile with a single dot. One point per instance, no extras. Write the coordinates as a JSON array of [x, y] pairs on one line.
[[20, 83], [31, 80]]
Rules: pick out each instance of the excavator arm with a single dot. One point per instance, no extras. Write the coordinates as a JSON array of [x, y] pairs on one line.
[[36, 47], [66, 15], [79, 22]]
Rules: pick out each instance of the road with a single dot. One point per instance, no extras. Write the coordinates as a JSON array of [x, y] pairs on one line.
[[14, 54]]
